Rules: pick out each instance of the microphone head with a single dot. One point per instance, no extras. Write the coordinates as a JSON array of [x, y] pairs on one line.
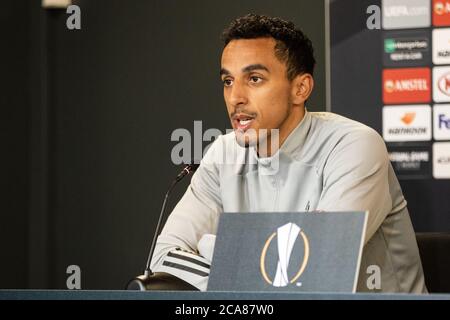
[[193, 166], [189, 168]]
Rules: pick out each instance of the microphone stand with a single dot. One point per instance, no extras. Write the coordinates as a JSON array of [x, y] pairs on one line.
[[144, 281]]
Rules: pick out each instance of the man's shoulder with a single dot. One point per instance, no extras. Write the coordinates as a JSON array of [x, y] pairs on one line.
[[334, 127], [335, 122], [335, 134]]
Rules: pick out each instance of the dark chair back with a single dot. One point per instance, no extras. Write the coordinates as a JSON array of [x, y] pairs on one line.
[[434, 251]]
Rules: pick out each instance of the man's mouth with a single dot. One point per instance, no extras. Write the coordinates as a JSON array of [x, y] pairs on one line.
[[243, 122]]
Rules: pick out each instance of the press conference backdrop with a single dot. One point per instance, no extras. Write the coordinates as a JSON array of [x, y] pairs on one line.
[[87, 119], [396, 79]]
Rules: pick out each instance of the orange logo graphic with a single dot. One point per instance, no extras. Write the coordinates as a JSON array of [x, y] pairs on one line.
[[408, 117]]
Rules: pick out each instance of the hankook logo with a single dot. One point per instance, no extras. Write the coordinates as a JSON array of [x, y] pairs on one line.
[[407, 123], [408, 118], [286, 236]]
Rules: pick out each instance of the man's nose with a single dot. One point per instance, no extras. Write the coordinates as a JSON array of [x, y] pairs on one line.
[[238, 95]]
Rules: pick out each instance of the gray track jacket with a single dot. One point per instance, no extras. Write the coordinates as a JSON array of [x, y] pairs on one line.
[[328, 163]]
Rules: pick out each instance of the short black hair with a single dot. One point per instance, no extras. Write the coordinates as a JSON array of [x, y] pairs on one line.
[[292, 45]]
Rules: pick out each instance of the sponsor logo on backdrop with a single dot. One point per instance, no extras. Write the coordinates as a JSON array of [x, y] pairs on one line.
[[441, 12], [409, 85], [393, 45], [441, 46], [411, 162], [401, 14], [441, 84], [441, 122], [441, 160], [444, 84], [408, 118], [406, 49], [407, 123]]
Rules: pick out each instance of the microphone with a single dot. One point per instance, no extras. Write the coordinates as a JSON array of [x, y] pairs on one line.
[[141, 282]]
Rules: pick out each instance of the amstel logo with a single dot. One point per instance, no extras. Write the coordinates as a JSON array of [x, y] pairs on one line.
[[406, 85], [441, 12], [389, 86], [439, 8]]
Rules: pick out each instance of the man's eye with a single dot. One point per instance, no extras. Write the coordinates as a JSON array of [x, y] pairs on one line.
[[255, 79], [227, 82]]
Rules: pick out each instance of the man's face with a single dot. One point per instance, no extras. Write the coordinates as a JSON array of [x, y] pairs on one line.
[[256, 89]]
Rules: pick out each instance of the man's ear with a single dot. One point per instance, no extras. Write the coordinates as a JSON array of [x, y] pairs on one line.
[[302, 86]]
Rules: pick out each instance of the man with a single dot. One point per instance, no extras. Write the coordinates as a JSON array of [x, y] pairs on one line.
[[325, 162]]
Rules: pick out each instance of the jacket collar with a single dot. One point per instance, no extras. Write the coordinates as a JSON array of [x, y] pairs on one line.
[[293, 143]]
